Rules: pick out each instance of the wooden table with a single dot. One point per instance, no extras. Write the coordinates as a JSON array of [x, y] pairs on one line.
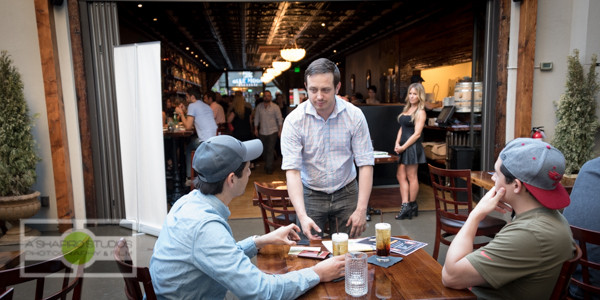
[[417, 276], [9, 259], [482, 179]]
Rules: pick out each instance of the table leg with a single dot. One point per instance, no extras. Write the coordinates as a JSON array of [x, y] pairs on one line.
[[177, 188]]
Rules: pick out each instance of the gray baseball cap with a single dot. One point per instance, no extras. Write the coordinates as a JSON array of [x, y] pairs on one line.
[[540, 167], [221, 155]]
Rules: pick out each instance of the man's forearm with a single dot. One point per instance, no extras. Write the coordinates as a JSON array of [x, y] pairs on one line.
[[365, 184], [294, 187], [462, 244]]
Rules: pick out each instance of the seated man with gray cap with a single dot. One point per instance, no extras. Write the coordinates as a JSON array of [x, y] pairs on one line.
[[524, 259], [196, 256]]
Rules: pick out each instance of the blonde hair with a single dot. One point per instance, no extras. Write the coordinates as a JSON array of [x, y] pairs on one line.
[[421, 105], [239, 105]]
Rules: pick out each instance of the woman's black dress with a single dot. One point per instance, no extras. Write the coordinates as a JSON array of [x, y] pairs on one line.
[[241, 127], [414, 154]]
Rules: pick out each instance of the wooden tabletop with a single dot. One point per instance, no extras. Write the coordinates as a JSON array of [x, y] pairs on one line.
[[386, 160], [482, 179], [417, 276], [179, 133], [9, 259]]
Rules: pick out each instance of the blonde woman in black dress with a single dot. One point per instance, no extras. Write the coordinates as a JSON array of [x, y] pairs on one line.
[[410, 149]]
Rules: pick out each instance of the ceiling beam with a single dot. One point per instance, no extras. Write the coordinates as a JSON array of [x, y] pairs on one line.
[[243, 29], [212, 26], [190, 38]]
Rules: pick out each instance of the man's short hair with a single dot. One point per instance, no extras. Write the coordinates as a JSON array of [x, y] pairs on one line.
[[373, 88], [323, 66], [214, 188], [211, 95], [194, 91]]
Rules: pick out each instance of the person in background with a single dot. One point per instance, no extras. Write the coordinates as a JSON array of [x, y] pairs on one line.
[[372, 95], [410, 149], [168, 109], [322, 140], [200, 117], [280, 100], [196, 256], [239, 117], [267, 126], [357, 99], [524, 259], [218, 113], [583, 213]]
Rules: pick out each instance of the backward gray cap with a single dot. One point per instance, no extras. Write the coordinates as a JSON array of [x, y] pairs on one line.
[[540, 167], [221, 155]]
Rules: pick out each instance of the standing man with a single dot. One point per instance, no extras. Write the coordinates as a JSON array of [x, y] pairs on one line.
[[218, 113], [196, 256], [321, 142], [267, 126], [524, 259], [200, 117]]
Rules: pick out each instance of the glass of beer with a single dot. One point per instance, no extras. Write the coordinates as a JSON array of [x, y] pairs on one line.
[[340, 243], [383, 236]]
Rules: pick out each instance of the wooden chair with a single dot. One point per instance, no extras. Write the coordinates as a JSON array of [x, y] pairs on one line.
[[133, 275], [585, 237], [449, 186], [8, 295], [38, 272], [276, 203], [561, 288]]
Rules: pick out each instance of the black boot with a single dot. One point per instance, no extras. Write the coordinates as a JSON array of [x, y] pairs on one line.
[[405, 212], [414, 208]]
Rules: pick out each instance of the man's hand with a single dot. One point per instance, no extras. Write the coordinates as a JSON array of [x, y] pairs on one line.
[[331, 268], [491, 201], [285, 235], [358, 221], [308, 224]]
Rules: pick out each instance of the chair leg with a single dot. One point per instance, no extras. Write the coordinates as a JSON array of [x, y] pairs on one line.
[[436, 247]]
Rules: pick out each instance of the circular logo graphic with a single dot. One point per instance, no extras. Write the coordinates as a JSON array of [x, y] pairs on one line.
[[78, 247]]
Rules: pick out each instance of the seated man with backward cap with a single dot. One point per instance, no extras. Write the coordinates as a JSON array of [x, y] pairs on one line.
[[196, 256], [524, 259]]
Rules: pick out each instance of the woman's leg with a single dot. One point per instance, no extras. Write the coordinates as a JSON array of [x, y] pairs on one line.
[[413, 182], [403, 182]]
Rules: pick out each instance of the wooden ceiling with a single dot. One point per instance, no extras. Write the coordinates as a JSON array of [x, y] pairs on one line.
[[249, 35]]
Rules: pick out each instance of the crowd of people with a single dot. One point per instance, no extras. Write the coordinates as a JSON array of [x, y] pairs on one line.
[[328, 159]]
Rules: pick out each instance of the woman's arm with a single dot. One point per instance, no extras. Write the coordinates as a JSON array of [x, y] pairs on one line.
[[420, 123]]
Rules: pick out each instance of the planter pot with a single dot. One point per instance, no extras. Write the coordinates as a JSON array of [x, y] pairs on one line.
[[15, 208]]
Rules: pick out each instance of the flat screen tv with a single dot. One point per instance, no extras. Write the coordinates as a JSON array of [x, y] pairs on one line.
[[445, 115]]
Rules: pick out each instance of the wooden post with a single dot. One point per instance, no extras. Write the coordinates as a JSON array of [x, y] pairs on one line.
[[526, 56], [55, 109]]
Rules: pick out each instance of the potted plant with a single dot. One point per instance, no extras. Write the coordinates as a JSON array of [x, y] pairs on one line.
[[18, 158], [577, 122]]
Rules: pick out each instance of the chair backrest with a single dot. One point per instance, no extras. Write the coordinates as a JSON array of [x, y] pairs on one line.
[[132, 275], [561, 288], [38, 272], [273, 203], [449, 186], [586, 238], [8, 295]]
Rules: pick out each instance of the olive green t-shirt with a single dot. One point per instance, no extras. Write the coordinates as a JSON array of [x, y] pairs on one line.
[[524, 260]]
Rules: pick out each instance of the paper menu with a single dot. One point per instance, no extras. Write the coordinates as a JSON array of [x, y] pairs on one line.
[[353, 246]]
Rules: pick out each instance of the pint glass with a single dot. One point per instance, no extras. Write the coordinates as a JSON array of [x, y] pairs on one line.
[[383, 235]]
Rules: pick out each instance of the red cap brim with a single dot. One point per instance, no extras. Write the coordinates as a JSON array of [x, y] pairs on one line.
[[554, 199]]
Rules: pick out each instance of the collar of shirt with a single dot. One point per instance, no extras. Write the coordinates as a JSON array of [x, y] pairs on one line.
[[340, 106]]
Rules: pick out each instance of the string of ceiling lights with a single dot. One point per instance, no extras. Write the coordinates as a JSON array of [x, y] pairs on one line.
[[291, 54]]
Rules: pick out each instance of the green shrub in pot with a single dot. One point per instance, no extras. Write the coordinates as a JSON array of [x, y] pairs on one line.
[[18, 157]]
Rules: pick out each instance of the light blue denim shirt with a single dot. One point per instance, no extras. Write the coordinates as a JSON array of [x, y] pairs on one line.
[[196, 257]]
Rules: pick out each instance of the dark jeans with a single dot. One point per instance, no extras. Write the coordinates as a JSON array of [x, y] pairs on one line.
[[269, 150], [325, 208]]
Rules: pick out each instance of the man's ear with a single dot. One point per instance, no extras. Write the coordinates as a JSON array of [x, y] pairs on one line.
[[337, 88], [518, 185]]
